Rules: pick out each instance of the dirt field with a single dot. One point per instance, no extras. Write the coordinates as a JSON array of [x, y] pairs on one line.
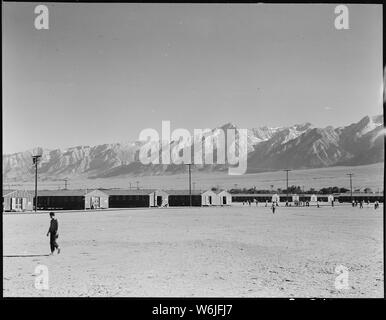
[[227, 252]]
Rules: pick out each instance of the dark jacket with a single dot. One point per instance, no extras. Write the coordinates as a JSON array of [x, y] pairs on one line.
[[53, 226]]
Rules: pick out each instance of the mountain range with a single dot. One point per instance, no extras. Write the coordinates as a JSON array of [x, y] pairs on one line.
[[300, 146]]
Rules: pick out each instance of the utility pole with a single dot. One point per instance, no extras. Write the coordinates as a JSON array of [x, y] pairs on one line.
[[190, 184], [85, 200], [35, 160], [287, 170], [350, 175]]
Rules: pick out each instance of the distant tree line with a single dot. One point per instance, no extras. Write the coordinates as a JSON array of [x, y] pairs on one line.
[[293, 190]]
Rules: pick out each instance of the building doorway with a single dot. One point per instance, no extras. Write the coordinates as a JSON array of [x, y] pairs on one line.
[[17, 204], [95, 202]]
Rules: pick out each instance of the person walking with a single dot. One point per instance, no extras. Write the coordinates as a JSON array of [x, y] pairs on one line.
[[53, 232]]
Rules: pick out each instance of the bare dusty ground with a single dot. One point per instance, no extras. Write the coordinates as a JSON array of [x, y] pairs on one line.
[[226, 252]]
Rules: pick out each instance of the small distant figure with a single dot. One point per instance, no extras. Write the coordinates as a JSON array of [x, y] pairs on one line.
[[256, 202], [317, 204], [361, 204], [286, 203], [273, 208], [376, 205], [368, 203], [266, 203], [53, 232], [353, 203], [249, 202]]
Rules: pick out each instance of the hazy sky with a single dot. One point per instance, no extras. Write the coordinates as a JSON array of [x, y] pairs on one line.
[[104, 72]]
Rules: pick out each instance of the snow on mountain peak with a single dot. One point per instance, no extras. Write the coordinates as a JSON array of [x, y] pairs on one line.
[[270, 147], [369, 124]]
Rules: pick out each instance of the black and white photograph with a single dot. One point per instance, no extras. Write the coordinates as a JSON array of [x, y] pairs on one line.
[[192, 150]]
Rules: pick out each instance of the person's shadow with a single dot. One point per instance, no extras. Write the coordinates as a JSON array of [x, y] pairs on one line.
[[26, 256]]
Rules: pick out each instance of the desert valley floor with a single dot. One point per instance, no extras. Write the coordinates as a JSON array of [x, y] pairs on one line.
[[364, 176]]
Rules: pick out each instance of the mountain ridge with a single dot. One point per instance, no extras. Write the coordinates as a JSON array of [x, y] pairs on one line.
[[300, 146]]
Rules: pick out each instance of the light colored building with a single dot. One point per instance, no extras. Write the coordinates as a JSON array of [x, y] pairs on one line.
[[18, 200], [96, 199], [313, 199], [209, 198], [224, 198], [161, 198]]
